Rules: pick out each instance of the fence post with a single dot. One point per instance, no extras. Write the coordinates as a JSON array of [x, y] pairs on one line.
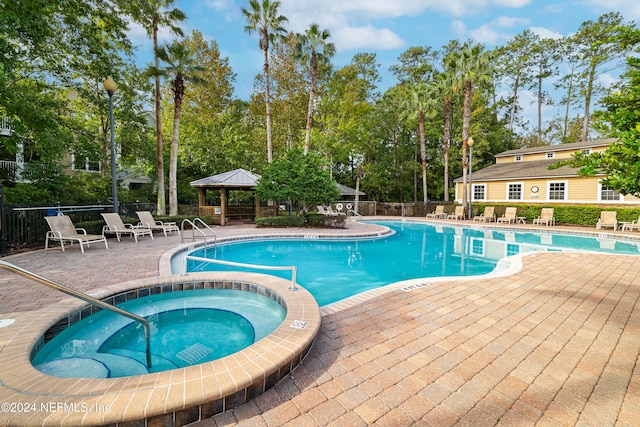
[[3, 234]]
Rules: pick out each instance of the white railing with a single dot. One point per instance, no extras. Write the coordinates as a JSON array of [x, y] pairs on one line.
[[5, 127], [292, 268]]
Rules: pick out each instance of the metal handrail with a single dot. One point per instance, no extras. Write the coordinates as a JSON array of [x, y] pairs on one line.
[[293, 268], [84, 297], [195, 227]]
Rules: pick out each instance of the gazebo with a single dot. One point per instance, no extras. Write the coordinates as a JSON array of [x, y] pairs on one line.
[[239, 179]]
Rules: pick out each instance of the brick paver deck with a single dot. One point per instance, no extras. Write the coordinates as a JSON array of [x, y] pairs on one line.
[[555, 344]]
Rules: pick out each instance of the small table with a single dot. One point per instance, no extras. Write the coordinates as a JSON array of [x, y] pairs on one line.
[[521, 220]]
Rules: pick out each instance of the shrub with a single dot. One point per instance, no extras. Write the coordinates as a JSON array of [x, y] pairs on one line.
[[280, 221]]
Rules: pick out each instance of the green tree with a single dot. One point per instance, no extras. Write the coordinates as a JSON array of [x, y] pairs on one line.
[[299, 178], [601, 45], [263, 19], [153, 14], [181, 65], [621, 161], [313, 47]]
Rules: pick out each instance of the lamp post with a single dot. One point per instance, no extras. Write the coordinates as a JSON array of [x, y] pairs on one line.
[[110, 87], [470, 143], [3, 225]]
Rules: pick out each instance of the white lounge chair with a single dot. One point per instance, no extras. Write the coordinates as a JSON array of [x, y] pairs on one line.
[[147, 220], [63, 230], [633, 225], [117, 227], [457, 214], [509, 215], [607, 219], [438, 213], [487, 215], [546, 217]]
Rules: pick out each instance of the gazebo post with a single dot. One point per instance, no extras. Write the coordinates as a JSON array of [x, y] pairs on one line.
[[202, 199], [223, 206], [256, 206]]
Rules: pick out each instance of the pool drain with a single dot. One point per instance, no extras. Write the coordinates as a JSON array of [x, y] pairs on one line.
[[193, 353]]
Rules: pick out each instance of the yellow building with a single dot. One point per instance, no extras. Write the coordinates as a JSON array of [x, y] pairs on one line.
[[523, 176]]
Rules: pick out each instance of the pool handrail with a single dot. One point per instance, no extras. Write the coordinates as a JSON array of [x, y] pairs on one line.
[[194, 227], [84, 297], [293, 268]]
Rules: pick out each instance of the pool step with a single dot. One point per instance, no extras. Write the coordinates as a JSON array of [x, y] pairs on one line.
[[194, 353]]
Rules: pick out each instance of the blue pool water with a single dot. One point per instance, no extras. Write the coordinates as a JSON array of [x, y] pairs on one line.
[[187, 328], [336, 269]]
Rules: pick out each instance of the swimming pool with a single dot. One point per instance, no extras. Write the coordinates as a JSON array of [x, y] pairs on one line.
[[336, 269], [187, 328]]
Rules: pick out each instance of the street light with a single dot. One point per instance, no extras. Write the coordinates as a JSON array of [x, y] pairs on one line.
[[110, 87], [470, 143]]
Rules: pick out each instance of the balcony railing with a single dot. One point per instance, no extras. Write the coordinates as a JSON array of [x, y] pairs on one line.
[[5, 127]]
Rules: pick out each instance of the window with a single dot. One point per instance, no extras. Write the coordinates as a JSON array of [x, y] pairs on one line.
[[477, 247], [80, 163], [607, 193], [557, 190], [512, 249], [517, 158], [479, 192], [586, 151], [551, 155], [514, 191]]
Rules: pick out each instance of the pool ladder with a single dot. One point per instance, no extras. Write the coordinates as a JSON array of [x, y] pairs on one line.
[[194, 227], [84, 297]]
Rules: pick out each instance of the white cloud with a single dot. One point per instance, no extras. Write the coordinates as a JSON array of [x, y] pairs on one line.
[[545, 33], [368, 37]]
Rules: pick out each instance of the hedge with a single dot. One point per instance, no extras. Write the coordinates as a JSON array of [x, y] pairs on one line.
[[586, 215]]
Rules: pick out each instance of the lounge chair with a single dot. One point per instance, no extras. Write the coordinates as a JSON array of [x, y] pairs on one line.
[[509, 215], [607, 219], [438, 213], [633, 225], [457, 214], [487, 215], [546, 217], [147, 220], [330, 212], [117, 227], [63, 230]]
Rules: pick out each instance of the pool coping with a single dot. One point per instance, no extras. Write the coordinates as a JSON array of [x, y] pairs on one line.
[[175, 397]]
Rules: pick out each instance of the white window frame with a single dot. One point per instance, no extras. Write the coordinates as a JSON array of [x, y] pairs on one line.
[[517, 158], [566, 190], [586, 151], [600, 199], [521, 184], [484, 192], [551, 155], [86, 165]]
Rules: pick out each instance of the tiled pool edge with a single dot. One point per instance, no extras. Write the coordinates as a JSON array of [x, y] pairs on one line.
[[175, 397]]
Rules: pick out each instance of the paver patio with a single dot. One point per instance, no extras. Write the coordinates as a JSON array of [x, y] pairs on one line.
[[556, 343]]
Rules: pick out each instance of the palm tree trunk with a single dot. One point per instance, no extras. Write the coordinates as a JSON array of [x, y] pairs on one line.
[[173, 161], [423, 154], [268, 104], [447, 138], [162, 206], [466, 120]]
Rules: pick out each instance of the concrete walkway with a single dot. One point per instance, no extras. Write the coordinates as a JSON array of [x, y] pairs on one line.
[[555, 344]]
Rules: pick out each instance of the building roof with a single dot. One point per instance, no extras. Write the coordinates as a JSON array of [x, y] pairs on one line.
[[522, 170], [239, 178], [348, 191], [558, 147]]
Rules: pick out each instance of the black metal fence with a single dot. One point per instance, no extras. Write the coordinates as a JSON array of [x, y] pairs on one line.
[[24, 227]]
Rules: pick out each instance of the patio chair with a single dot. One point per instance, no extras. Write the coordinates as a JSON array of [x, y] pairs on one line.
[[63, 230], [457, 214], [147, 220], [633, 225], [607, 219], [487, 215], [117, 227], [546, 217], [438, 213], [509, 215]]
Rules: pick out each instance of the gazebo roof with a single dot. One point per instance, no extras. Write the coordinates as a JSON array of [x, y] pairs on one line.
[[239, 178], [348, 191]]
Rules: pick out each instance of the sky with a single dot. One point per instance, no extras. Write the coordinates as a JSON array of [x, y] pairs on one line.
[[384, 27]]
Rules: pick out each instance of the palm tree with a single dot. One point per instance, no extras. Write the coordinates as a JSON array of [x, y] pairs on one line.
[[264, 19], [470, 65], [313, 47], [181, 67], [154, 14], [419, 101]]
